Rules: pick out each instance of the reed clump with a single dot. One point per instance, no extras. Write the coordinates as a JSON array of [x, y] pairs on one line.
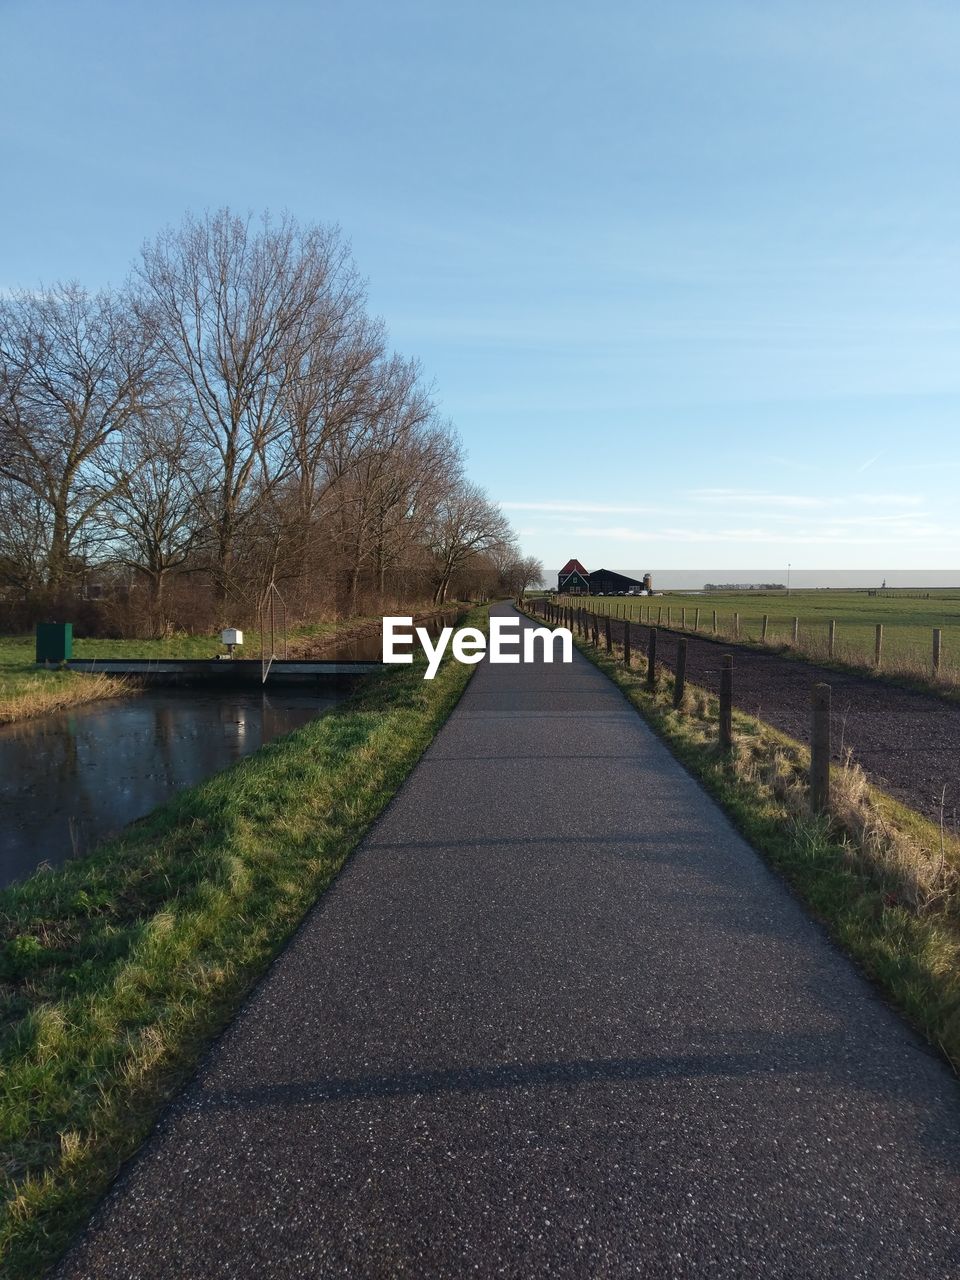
[[56, 691]]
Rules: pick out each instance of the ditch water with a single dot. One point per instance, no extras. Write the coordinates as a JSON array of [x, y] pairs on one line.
[[71, 780]]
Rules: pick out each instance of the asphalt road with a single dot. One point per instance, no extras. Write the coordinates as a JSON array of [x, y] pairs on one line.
[[554, 1018]]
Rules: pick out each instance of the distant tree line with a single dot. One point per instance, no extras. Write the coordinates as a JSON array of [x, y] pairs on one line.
[[231, 417], [744, 586]]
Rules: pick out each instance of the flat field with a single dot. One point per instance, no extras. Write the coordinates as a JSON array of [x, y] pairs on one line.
[[908, 619]]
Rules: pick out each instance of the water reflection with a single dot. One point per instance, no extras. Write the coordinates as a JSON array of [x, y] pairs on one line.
[[69, 781]]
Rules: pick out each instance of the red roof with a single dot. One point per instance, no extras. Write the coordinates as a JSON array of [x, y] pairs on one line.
[[572, 566]]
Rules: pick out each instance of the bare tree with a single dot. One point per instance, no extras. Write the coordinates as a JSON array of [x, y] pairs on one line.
[[519, 573], [24, 537], [75, 368], [235, 414], [154, 512], [465, 524], [233, 304]]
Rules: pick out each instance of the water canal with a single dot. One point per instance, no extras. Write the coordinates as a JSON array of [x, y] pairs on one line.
[[71, 780]]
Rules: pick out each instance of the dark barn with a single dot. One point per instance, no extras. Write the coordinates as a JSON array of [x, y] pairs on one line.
[[604, 582]]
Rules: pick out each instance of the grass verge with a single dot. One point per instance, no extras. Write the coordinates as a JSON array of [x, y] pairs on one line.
[[27, 690], [118, 969], [883, 880]]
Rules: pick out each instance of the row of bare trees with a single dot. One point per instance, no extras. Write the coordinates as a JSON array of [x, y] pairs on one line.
[[231, 417]]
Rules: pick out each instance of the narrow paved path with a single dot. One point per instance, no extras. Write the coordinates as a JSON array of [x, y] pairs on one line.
[[555, 1018]]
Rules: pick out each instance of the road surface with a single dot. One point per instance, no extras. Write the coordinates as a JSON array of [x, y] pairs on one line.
[[555, 1018]]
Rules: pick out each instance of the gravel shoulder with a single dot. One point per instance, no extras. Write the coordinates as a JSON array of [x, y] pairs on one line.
[[908, 742]]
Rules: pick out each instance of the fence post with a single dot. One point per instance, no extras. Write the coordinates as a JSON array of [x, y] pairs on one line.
[[659, 613], [878, 646], [937, 638], [820, 750], [696, 620], [714, 622], [736, 625], [652, 659], [726, 703], [608, 632], [680, 676], [831, 643], [596, 631], [763, 627], [796, 631], [683, 618], [626, 643], [669, 615]]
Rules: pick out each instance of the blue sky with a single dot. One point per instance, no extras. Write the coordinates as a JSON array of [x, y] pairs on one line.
[[686, 276]]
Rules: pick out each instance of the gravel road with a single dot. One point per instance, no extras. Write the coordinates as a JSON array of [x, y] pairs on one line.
[[907, 741]]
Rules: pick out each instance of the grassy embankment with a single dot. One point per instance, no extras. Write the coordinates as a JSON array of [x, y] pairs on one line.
[[907, 621], [119, 968], [884, 880], [27, 691]]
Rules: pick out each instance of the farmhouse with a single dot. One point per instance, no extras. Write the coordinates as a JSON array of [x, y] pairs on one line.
[[574, 580]]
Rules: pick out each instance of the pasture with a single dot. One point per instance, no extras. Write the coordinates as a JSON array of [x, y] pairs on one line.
[[908, 619]]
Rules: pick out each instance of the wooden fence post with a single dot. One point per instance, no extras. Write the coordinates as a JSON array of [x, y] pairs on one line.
[[726, 703], [608, 636], [736, 625], [878, 646], [763, 628], [796, 631], [696, 620], [714, 622], [680, 675], [626, 643], [831, 643], [669, 615], [820, 750], [596, 632], [937, 639], [652, 659], [659, 613], [683, 618]]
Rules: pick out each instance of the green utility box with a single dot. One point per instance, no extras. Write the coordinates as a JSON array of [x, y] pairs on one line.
[[54, 641]]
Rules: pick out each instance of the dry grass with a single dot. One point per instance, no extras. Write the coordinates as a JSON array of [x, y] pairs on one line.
[[43, 695]]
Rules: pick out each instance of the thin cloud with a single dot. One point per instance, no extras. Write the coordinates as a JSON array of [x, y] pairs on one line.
[[869, 462], [754, 497]]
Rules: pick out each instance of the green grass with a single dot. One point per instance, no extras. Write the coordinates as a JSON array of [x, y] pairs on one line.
[[907, 621], [27, 691], [858, 874], [119, 968]]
